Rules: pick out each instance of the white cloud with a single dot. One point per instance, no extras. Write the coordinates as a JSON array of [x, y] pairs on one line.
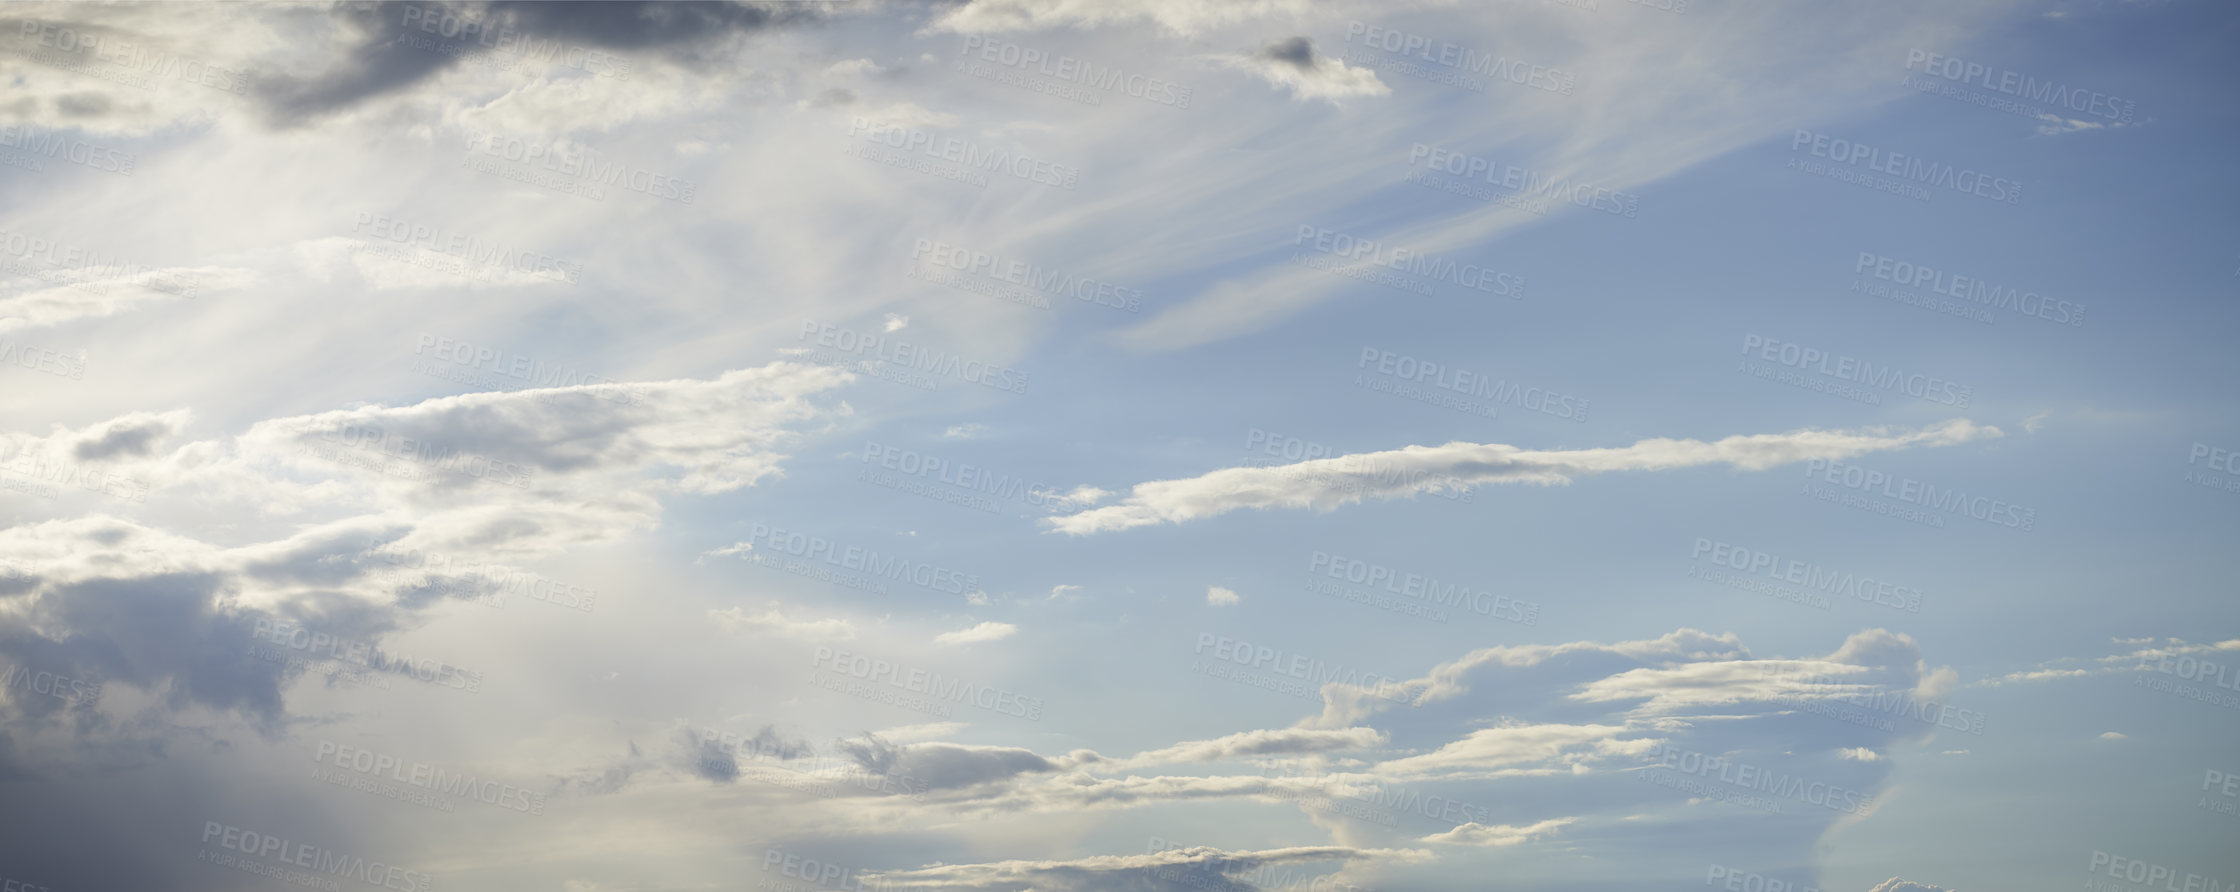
[[1859, 754], [1895, 884], [987, 631], [1325, 484], [1476, 834], [774, 622], [1296, 65], [1221, 597]]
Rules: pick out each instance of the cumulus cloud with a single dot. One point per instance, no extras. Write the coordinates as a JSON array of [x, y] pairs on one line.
[[1294, 65], [1221, 597], [1325, 484]]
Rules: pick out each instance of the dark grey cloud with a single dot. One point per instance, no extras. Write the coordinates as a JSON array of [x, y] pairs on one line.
[[944, 766], [1296, 51], [391, 55], [131, 435]]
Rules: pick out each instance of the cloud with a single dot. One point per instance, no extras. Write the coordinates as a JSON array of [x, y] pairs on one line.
[[1247, 744], [1494, 752], [1476, 834], [392, 54], [1294, 65], [1895, 884], [964, 431], [1221, 597], [1325, 484], [2144, 656], [2113, 735], [775, 623], [896, 322], [987, 631], [1176, 870], [86, 294], [1179, 17], [1859, 754]]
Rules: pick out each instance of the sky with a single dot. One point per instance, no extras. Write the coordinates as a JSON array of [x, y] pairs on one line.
[[1097, 445]]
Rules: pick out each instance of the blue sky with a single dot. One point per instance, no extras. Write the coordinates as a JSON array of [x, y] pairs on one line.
[[590, 456]]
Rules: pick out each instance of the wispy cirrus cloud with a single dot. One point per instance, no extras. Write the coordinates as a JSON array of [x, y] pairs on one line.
[[1325, 484]]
